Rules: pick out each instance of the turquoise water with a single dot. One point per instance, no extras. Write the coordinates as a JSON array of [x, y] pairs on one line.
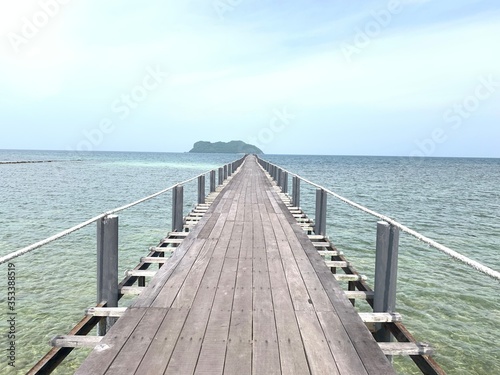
[[454, 201]]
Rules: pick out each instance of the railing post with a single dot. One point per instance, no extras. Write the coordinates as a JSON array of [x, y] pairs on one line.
[[320, 219], [221, 176], [212, 181], [107, 267], [278, 177], [225, 172], [229, 169], [284, 188], [296, 191], [201, 189], [386, 267], [177, 208]]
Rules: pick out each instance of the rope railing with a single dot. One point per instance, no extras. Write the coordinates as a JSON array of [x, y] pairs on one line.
[[37, 245], [452, 253]]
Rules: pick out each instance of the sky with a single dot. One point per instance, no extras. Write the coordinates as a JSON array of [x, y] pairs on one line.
[[397, 77]]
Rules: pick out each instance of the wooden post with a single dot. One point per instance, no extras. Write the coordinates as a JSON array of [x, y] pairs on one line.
[[107, 267], [201, 189], [296, 191], [386, 267], [284, 182], [177, 208], [229, 169], [225, 172], [278, 177], [320, 220], [212, 181], [221, 176]]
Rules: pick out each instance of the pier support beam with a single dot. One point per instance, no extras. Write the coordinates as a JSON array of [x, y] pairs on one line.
[[320, 219], [177, 208], [386, 267], [201, 189], [107, 267], [212, 181], [296, 191]]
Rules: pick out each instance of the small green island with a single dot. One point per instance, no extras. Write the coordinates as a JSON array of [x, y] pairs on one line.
[[233, 147]]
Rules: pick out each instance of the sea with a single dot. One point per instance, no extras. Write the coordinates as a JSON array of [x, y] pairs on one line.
[[455, 201]]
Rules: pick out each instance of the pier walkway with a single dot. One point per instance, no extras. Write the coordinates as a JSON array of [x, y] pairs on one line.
[[246, 292]]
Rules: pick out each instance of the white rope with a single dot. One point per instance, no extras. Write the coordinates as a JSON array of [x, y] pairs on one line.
[[452, 253], [27, 249]]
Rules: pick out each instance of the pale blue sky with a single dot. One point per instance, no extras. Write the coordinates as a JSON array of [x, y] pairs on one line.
[[408, 77]]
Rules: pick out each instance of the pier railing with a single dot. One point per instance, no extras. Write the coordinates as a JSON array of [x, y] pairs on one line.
[[109, 291], [281, 176]]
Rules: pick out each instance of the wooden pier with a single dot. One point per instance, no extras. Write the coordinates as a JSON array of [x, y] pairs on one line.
[[246, 283], [246, 292]]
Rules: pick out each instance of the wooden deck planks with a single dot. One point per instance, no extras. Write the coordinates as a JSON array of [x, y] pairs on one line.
[[157, 357], [104, 354], [213, 350], [266, 359], [239, 348], [138, 343], [245, 293]]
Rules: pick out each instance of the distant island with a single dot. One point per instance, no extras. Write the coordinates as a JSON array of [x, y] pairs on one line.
[[233, 147]]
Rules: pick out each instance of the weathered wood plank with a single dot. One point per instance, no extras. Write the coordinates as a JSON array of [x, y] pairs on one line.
[[380, 317], [74, 341], [406, 348], [105, 311]]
